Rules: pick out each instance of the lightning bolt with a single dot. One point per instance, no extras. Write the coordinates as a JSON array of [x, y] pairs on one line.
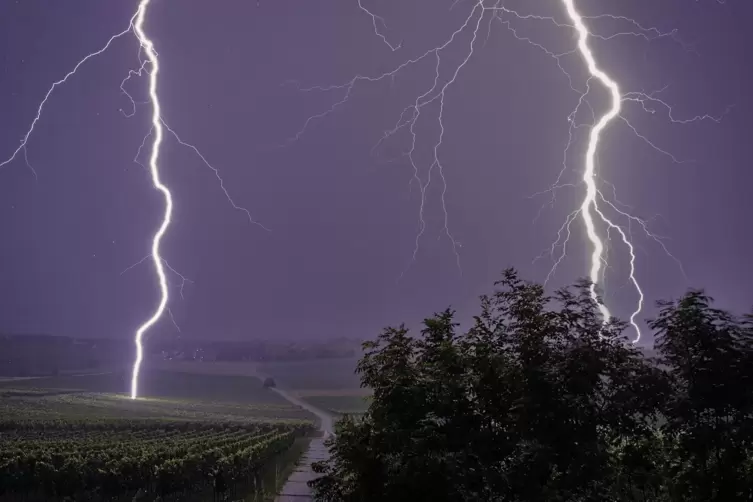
[[591, 211], [148, 47], [590, 206], [148, 65], [589, 172], [593, 205]]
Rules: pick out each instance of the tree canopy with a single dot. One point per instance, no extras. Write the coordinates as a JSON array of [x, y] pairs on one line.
[[541, 401]]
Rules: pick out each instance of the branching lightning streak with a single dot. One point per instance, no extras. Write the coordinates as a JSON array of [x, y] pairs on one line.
[[25, 139], [184, 280], [435, 93], [216, 175], [375, 21], [590, 203], [148, 65], [148, 46], [589, 174], [591, 210]]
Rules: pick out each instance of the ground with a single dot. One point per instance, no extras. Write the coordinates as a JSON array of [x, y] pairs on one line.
[[166, 395], [329, 384]]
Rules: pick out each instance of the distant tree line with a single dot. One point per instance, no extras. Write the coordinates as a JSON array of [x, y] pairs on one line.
[[540, 401], [47, 355]]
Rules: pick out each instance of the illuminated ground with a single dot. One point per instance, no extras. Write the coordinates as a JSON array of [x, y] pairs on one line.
[[168, 395], [331, 385]]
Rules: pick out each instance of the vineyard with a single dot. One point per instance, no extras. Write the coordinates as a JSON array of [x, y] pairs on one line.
[[118, 459]]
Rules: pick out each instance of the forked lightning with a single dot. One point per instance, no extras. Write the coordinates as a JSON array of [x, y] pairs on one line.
[[589, 172], [151, 54], [594, 204], [150, 66]]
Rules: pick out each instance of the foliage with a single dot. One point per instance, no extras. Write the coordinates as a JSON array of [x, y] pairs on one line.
[[542, 401]]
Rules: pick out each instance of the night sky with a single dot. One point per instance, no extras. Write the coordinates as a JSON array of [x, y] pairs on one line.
[[343, 219]]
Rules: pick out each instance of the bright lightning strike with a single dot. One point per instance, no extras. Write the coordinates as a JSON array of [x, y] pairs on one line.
[[149, 66], [589, 173], [148, 46], [590, 204]]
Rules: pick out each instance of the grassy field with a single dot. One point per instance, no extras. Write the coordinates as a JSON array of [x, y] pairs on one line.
[[329, 384], [181, 396], [315, 374], [156, 383]]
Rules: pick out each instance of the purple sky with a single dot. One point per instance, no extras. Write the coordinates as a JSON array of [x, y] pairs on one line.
[[343, 220]]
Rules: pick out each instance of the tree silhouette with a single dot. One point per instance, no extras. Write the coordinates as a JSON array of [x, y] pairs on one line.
[[269, 382], [708, 354], [542, 401]]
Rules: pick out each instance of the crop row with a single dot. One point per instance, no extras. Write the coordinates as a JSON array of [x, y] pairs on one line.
[[71, 426], [162, 465], [54, 440], [57, 452], [88, 447]]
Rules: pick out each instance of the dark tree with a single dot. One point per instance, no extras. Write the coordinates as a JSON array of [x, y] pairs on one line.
[[542, 401], [269, 382], [710, 411]]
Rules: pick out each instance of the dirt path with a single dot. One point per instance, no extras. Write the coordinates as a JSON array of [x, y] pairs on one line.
[[296, 487], [326, 423]]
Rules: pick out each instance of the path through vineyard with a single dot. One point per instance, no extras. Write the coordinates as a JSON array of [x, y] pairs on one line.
[[296, 488], [325, 419]]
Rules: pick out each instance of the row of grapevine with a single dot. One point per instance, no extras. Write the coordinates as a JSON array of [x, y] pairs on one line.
[[103, 424], [93, 442], [159, 460], [83, 441]]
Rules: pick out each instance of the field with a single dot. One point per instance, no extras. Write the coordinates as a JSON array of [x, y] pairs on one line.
[[171, 395], [83, 437], [315, 374], [329, 384]]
